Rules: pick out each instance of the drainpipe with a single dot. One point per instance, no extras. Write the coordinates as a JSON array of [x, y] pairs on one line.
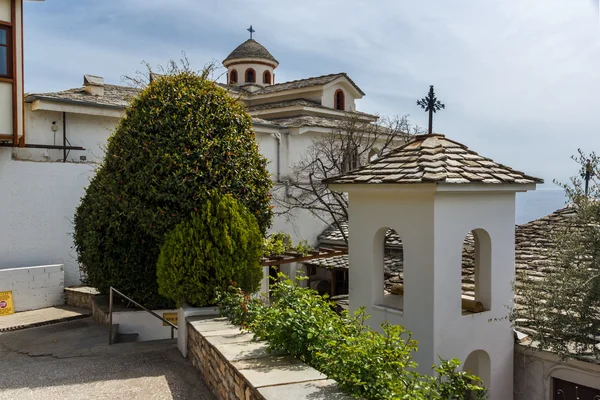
[[64, 137], [277, 137]]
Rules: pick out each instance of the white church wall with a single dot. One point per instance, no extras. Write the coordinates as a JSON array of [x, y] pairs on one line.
[[88, 131], [534, 372], [39, 201]]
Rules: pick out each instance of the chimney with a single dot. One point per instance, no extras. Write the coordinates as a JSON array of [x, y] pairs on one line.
[[94, 85]]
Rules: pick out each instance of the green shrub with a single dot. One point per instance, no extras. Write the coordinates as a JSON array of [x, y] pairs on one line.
[[365, 363], [206, 253], [182, 137]]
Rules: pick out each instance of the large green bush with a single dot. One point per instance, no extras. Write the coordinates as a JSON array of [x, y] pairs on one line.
[[206, 253], [365, 363], [182, 137]]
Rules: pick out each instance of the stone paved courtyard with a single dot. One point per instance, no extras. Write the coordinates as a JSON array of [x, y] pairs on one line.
[[71, 360]]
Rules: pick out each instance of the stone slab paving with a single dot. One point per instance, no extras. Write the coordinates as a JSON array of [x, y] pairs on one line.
[[44, 315], [72, 360]]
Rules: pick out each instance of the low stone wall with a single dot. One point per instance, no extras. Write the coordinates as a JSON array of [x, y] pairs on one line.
[[235, 367], [34, 287], [82, 296]]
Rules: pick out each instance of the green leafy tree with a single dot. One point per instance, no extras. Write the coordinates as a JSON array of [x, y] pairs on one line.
[[207, 252], [181, 138], [561, 311]]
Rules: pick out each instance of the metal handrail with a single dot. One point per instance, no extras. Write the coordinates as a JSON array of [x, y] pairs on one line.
[[110, 308]]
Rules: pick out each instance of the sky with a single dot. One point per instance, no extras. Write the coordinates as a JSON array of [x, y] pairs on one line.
[[520, 78]]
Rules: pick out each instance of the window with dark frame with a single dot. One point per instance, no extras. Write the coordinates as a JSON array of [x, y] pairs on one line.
[[267, 77], [5, 52], [233, 78], [339, 101], [250, 76], [564, 390]]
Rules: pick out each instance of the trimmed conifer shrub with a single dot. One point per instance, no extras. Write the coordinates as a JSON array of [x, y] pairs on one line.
[[206, 253], [182, 138]]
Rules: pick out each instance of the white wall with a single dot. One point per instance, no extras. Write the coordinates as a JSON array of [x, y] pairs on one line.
[[6, 109], [433, 226], [534, 371], [88, 131], [147, 326], [258, 68], [5, 14], [328, 97], [39, 201], [34, 287]]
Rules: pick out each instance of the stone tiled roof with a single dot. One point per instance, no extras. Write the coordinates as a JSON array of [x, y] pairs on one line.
[[434, 159], [250, 49], [308, 82], [303, 103], [286, 103], [306, 120], [115, 96]]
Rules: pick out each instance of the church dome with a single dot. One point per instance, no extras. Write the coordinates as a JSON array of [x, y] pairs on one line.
[[250, 49]]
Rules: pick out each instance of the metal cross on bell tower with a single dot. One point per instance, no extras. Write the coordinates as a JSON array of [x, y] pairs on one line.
[[251, 30], [431, 104]]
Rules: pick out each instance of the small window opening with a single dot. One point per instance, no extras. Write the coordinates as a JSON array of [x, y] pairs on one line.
[[5, 52], [476, 273], [233, 76], [250, 76], [267, 77], [373, 154], [339, 100], [350, 158], [478, 363], [389, 265]]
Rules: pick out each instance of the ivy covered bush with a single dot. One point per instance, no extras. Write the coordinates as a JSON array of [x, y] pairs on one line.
[[207, 252], [181, 138], [365, 363]]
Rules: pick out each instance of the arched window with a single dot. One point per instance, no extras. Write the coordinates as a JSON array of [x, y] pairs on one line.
[[476, 272], [267, 77], [250, 76], [233, 78], [339, 102], [389, 275]]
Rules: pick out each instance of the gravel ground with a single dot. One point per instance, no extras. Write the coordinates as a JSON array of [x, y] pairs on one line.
[[72, 361]]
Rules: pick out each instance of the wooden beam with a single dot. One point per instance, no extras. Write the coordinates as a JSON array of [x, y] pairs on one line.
[[467, 304]]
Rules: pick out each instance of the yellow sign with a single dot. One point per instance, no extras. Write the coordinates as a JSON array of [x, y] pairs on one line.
[[6, 303], [171, 317]]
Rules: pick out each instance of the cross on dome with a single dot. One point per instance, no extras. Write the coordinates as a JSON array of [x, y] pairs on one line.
[[251, 30]]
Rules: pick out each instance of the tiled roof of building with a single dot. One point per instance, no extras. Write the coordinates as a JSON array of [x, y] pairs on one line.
[[250, 49], [308, 82], [306, 120], [303, 103], [115, 96], [285, 103], [434, 159]]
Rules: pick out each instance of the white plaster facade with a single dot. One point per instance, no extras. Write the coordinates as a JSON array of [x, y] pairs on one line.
[[34, 287], [432, 221], [40, 200]]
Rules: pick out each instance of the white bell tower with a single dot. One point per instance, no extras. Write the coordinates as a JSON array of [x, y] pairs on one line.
[[433, 192]]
